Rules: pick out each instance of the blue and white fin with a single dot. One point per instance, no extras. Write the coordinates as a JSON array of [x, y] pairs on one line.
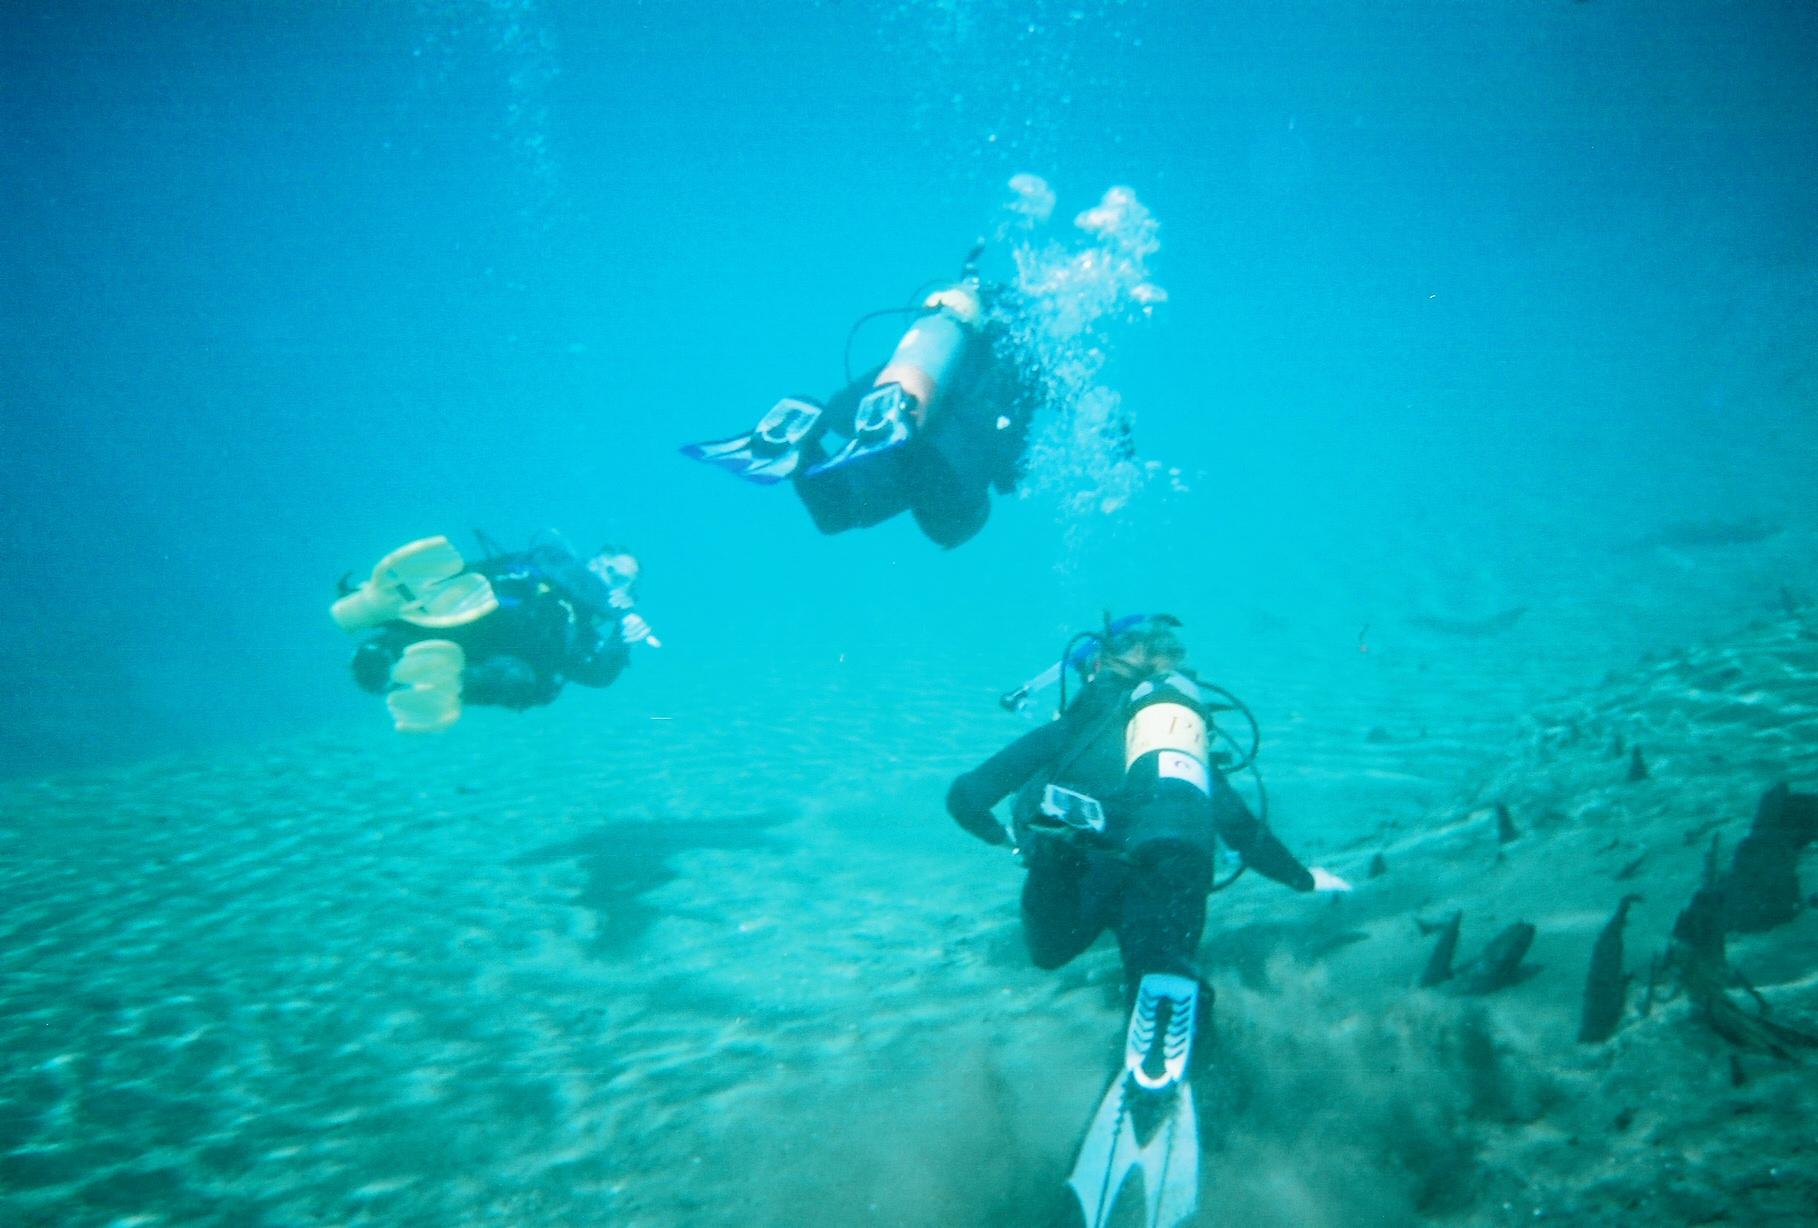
[[884, 421], [1146, 1120], [771, 452], [1160, 1038]]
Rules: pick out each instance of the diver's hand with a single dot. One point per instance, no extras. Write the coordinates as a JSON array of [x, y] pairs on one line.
[[618, 599], [1325, 880], [634, 630]]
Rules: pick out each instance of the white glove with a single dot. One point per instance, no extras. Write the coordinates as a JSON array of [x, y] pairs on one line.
[[633, 630], [1325, 880]]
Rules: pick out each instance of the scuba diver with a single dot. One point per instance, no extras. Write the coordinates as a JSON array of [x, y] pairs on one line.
[[1120, 806], [508, 631], [932, 431]]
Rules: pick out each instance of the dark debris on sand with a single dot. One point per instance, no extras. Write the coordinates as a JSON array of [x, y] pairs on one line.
[[1569, 1094]]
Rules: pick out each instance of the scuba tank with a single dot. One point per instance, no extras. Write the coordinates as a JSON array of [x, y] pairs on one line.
[[927, 356], [1168, 762], [912, 383], [1166, 740], [1168, 777]]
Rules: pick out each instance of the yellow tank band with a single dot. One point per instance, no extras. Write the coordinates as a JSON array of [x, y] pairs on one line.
[[1165, 726]]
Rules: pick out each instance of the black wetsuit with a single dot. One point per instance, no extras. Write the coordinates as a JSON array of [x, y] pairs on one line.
[[1148, 877], [555, 624], [945, 474]]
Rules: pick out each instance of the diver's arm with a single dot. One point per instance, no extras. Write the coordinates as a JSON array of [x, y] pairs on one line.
[[603, 661], [1256, 844], [973, 794], [570, 576]]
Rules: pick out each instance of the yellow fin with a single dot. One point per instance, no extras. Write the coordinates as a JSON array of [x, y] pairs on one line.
[[425, 582], [458, 601], [429, 675]]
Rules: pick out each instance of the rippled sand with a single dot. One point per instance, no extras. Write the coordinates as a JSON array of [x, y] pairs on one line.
[[715, 963]]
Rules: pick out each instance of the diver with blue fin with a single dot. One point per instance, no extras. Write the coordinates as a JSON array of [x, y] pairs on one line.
[[932, 431], [1121, 804], [508, 631]]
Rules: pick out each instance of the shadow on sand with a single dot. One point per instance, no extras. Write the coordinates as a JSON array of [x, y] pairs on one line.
[[624, 862]]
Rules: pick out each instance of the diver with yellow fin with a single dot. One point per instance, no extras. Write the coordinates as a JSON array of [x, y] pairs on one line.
[[1121, 804], [932, 431], [508, 631]]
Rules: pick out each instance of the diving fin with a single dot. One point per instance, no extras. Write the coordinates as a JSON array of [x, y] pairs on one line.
[[885, 420], [428, 678], [773, 449], [1146, 1120], [425, 583], [462, 599]]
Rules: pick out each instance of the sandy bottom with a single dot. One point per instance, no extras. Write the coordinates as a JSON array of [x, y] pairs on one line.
[[720, 962]]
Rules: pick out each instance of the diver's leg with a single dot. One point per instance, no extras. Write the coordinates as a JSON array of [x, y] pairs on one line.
[[1064, 901], [372, 662], [376, 657], [506, 681], [949, 510], [1163, 910], [957, 463], [855, 496], [830, 501]]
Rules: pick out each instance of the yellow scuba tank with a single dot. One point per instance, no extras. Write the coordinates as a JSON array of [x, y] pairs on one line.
[[1166, 737], [925, 359]]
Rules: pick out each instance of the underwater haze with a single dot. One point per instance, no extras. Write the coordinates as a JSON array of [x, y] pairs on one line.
[[1434, 363], [1461, 300]]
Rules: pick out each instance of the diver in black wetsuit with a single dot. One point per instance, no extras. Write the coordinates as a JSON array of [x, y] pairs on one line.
[[508, 631], [1144, 871], [1120, 805], [932, 432]]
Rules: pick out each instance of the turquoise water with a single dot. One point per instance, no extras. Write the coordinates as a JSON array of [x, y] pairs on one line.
[[1463, 309], [1461, 297]]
